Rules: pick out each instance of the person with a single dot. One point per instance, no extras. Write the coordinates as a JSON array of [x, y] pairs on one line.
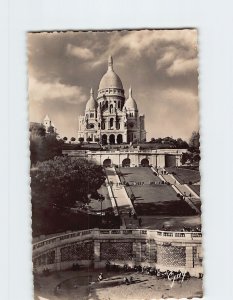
[[140, 222], [100, 277], [126, 280], [131, 280], [130, 213]]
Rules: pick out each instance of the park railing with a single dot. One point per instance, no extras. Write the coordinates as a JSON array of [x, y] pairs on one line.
[[134, 233]]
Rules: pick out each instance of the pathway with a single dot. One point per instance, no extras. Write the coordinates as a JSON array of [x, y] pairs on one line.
[[123, 202]]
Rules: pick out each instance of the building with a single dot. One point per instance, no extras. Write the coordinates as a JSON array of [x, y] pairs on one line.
[[49, 126], [111, 118]]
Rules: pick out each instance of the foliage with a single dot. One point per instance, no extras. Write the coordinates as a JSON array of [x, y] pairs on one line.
[[44, 147], [174, 143], [51, 129], [73, 139], [194, 142], [37, 129], [64, 180], [56, 185], [81, 140]]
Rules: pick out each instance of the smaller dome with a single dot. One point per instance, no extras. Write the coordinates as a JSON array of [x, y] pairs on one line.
[[130, 103], [91, 103]]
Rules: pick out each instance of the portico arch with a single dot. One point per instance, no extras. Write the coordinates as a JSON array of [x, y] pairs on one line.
[[112, 139], [145, 162], [104, 139], [107, 162], [126, 162], [119, 139]]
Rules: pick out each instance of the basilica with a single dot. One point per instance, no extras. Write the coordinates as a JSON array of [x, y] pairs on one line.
[[110, 118]]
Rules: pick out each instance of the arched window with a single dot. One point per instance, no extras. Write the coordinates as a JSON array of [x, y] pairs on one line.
[[111, 122], [111, 108]]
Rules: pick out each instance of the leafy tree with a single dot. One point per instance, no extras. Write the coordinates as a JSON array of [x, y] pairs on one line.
[[65, 139], [97, 140], [194, 143], [81, 140], [37, 129], [73, 139], [89, 139], [64, 180], [44, 147], [153, 140], [56, 185], [51, 130]]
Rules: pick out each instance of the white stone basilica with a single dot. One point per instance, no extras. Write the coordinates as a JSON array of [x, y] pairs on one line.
[[110, 118]]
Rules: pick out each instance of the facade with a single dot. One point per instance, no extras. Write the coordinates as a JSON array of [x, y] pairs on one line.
[[110, 118]]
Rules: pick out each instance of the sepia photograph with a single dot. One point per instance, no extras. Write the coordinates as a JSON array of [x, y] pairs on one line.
[[114, 164]]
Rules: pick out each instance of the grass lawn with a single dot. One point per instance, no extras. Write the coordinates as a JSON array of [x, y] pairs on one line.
[[139, 174], [158, 200], [184, 175], [195, 188]]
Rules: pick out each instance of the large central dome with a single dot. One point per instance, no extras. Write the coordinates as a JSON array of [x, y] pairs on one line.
[[110, 78]]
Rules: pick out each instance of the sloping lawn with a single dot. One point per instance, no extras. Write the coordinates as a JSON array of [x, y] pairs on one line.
[[139, 174], [184, 175], [158, 200], [195, 188]]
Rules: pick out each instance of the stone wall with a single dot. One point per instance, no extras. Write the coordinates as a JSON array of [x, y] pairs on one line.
[[164, 250]]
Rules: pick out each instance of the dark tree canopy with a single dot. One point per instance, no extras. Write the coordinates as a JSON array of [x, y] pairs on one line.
[[194, 143], [64, 180], [37, 129], [55, 187], [44, 147]]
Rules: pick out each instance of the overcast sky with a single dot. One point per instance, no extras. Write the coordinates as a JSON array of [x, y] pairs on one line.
[[161, 66]]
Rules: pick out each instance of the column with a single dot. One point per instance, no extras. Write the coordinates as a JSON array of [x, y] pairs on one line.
[[96, 253], [137, 252], [57, 259], [189, 257], [152, 251]]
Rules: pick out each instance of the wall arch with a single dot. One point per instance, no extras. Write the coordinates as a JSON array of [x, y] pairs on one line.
[[126, 162], [107, 163], [119, 139], [145, 162], [112, 139]]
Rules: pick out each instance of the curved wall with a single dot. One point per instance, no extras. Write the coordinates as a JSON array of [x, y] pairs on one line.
[[162, 249]]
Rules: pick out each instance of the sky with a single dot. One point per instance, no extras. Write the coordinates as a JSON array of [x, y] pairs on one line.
[[161, 66]]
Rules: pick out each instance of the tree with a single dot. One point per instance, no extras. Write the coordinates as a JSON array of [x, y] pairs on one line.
[[43, 147], [65, 139], [63, 180], [89, 139], [36, 130], [194, 142], [97, 140], [51, 130], [81, 140], [73, 139], [152, 140], [58, 183]]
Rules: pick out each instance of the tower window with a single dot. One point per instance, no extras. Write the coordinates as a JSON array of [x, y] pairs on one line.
[[91, 115]]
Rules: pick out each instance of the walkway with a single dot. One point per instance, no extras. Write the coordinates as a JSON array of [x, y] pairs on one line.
[[123, 202]]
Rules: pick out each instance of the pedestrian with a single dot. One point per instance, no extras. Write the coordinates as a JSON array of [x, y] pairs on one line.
[[140, 222]]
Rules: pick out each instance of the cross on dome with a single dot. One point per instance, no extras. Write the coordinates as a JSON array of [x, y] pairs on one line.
[[110, 62]]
